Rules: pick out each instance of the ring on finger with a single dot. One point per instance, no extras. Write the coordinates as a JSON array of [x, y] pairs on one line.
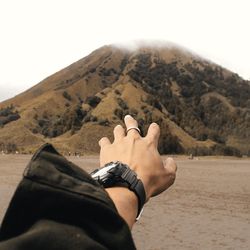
[[133, 127]]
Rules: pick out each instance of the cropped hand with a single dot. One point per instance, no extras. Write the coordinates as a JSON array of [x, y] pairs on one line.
[[141, 155]]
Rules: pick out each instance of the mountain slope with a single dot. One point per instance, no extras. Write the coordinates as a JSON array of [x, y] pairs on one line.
[[201, 107]]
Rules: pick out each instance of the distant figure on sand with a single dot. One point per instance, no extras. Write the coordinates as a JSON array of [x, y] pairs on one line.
[[57, 205], [191, 157]]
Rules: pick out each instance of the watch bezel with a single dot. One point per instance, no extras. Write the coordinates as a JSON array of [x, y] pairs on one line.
[[107, 177]]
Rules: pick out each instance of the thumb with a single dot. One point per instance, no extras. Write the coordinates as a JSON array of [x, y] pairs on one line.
[[170, 168], [168, 175], [170, 165]]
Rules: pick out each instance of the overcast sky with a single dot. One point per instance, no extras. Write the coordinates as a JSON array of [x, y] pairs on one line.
[[40, 37]]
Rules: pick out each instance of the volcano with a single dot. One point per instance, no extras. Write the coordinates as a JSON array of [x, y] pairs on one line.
[[201, 107]]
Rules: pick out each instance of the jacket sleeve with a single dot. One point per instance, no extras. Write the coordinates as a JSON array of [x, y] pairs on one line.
[[57, 205]]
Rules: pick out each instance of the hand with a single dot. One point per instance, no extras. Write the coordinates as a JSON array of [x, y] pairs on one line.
[[141, 155]]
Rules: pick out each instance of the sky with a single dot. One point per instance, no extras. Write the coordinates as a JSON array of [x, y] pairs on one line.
[[40, 37]]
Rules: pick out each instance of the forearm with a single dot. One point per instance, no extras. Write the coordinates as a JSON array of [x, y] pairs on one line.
[[126, 203]]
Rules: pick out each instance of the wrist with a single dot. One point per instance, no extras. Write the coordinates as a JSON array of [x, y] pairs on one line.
[[126, 203], [147, 185]]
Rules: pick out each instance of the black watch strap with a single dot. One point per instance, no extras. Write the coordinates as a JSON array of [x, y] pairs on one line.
[[135, 185]]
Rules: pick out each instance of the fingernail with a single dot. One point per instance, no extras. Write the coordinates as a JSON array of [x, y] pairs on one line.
[[154, 124], [127, 116]]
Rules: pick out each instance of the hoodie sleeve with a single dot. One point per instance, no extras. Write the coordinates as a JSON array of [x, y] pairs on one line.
[[57, 205]]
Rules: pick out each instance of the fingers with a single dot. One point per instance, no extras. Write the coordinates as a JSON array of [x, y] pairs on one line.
[[131, 122], [119, 132], [153, 133], [104, 141]]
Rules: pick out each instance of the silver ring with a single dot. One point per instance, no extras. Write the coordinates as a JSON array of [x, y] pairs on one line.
[[136, 128]]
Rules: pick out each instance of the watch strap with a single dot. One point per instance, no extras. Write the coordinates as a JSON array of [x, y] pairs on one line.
[[135, 185]]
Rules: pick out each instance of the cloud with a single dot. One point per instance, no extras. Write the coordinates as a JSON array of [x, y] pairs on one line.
[[134, 45]]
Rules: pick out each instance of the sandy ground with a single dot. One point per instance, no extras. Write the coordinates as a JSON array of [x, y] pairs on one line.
[[207, 208]]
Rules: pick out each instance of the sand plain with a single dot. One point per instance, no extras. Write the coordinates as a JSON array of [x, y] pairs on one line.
[[207, 208]]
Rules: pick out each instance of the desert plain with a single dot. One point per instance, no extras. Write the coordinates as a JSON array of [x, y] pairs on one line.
[[208, 207]]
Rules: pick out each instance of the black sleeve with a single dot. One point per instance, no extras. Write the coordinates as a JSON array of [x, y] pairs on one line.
[[57, 205]]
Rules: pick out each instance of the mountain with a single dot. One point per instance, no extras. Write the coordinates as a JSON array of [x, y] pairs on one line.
[[201, 107]]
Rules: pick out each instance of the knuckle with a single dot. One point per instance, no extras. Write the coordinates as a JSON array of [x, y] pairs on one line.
[[150, 143], [133, 134], [131, 140]]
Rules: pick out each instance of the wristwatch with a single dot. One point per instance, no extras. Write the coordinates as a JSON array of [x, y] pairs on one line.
[[116, 174]]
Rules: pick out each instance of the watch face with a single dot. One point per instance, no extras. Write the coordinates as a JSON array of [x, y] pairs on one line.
[[101, 172]]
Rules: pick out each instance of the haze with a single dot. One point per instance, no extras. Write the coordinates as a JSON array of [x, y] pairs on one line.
[[39, 38]]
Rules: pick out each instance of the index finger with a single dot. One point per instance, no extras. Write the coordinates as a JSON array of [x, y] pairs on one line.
[[153, 133]]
